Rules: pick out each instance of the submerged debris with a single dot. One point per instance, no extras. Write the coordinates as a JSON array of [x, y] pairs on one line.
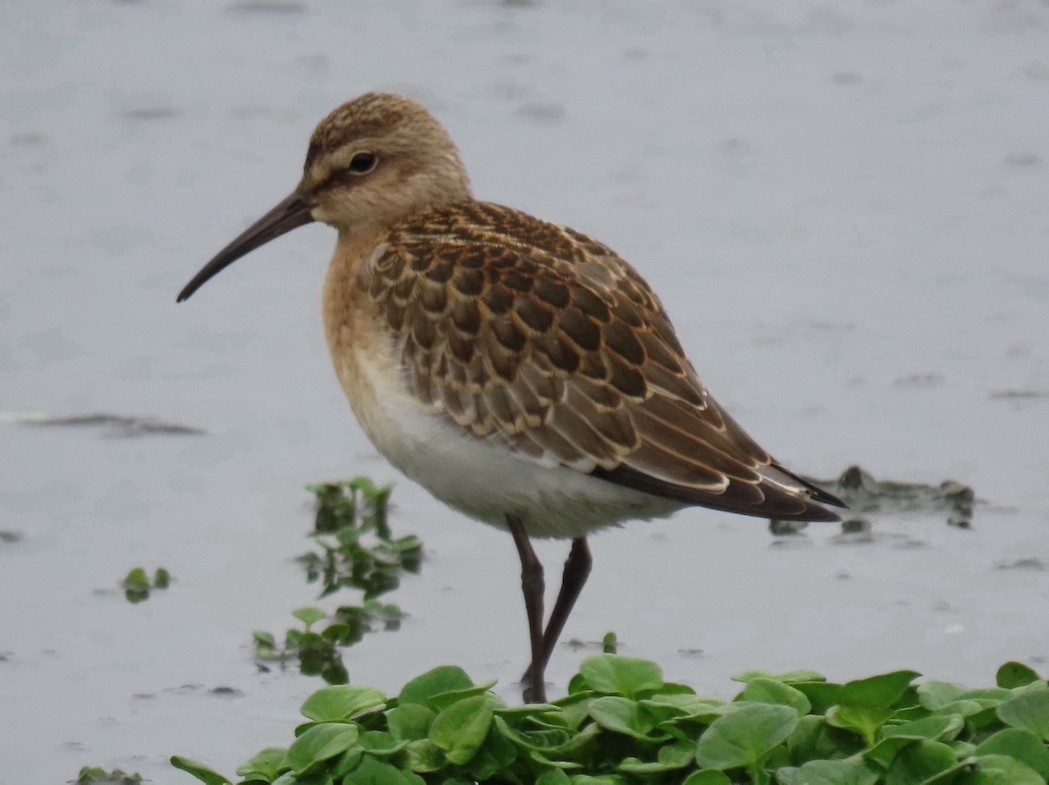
[[1019, 395], [9, 536], [1023, 563], [116, 424]]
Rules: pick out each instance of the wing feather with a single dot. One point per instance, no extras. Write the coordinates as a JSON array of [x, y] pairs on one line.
[[544, 339]]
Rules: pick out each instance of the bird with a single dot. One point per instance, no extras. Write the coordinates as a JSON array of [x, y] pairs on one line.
[[520, 371]]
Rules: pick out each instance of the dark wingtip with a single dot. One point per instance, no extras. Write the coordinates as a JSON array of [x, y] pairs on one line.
[[821, 495], [813, 512], [777, 504]]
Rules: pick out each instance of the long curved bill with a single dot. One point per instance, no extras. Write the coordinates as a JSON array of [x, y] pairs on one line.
[[291, 213]]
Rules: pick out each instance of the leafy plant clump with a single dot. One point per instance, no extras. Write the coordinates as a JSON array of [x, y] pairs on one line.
[[865, 494], [138, 586], [358, 551], [94, 775], [622, 724]]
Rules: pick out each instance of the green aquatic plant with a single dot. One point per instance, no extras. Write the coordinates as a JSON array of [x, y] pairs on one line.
[[94, 775], [356, 551], [138, 585], [622, 723], [864, 494], [357, 548]]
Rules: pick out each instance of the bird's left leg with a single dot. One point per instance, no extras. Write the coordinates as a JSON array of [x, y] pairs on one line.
[[577, 570]]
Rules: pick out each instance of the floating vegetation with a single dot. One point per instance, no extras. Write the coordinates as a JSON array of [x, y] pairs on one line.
[[93, 775], [138, 585], [623, 724], [356, 551], [864, 494]]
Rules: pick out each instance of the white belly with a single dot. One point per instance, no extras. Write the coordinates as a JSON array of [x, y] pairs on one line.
[[481, 479]]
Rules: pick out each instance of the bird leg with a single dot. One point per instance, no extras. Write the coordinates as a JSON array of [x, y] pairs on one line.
[[577, 570], [532, 587]]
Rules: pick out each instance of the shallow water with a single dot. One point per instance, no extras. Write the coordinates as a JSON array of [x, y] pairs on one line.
[[844, 207]]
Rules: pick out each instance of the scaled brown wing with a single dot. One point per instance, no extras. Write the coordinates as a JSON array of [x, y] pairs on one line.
[[546, 341]]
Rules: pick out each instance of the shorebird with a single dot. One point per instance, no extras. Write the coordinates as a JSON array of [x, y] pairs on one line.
[[522, 372]]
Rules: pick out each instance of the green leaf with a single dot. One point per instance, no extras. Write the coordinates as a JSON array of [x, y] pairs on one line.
[[878, 691], [381, 744], [1015, 674], [320, 743], [791, 677], [616, 675], [199, 770], [410, 721], [136, 585], [341, 766], [864, 720], [553, 777], [921, 761], [745, 737], [423, 756], [266, 765], [814, 739], [623, 715], [687, 707], [1002, 770], [372, 771], [264, 639], [1028, 710], [606, 779], [445, 678], [935, 695], [341, 702], [820, 694], [1020, 744], [849, 771], [496, 755], [543, 739], [708, 777], [761, 690], [444, 699], [309, 616], [895, 738], [670, 758], [969, 707], [460, 729], [935, 728]]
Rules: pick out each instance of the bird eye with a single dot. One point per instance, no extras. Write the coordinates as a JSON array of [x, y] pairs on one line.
[[363, 163]]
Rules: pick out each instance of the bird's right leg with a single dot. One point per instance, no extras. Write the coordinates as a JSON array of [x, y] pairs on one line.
[[532, 587]]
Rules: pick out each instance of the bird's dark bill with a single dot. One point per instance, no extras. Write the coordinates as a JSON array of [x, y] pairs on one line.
[[291, 213]]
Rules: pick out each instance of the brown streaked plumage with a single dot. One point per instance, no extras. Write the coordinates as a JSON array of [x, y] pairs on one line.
[[522, 372]]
